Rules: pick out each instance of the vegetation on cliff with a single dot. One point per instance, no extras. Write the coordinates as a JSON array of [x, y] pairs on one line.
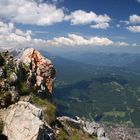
[[48, 108], [18, 82]]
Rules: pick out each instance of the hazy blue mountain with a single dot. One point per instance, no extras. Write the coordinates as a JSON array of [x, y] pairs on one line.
[[104, 59]]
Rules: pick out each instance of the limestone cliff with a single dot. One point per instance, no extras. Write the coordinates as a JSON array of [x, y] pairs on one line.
[[31, 72], [39, 67], [22, 81]]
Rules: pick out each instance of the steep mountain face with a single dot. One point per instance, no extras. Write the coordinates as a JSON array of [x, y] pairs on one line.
[[31, 71], [20, 81]]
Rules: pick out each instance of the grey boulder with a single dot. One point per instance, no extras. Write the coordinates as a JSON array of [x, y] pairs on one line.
[[24, 121]]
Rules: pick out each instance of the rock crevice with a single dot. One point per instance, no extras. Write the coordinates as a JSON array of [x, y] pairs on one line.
[[40, 68]]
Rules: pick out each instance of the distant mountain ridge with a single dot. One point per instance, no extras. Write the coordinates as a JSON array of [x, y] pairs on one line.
[[100, 58]]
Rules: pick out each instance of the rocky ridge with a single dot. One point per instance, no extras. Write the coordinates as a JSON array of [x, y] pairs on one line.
[[39, 67], [92, 128], [26, 113], [30, 72], [21, 78]]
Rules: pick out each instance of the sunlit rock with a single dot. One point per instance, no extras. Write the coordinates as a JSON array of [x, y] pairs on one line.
[[40, 68], [24, 121]]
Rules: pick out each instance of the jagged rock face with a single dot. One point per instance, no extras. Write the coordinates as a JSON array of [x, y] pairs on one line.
[[92, 128], [41, 68], [31, 72], [24, 121]]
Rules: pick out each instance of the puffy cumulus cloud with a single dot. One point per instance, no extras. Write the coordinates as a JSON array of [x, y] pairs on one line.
[[11, 37], [36, 12], [135, 29], [74, 40], [30, 12], [77, 40], [100, 26], [134, 19], [82, 17]]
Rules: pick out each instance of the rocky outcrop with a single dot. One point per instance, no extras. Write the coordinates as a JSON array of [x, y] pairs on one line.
[[29, 72], [92, 128], [24, 121], [40, 68], [21, 78]]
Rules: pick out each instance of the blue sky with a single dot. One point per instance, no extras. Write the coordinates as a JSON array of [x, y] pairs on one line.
[[69, 23]]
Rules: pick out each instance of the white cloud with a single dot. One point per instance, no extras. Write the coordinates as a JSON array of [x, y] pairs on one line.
[[74, 40], [11, 37], [30, 12], [21, 33], [6, 28], [138, 1], [77, 40], [125, 44], [100, 26], [121, 44], [80, 17], [134, 19], [35, 12], [134, 29]]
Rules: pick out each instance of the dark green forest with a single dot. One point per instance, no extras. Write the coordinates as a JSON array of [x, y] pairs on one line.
[[103, 93]]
